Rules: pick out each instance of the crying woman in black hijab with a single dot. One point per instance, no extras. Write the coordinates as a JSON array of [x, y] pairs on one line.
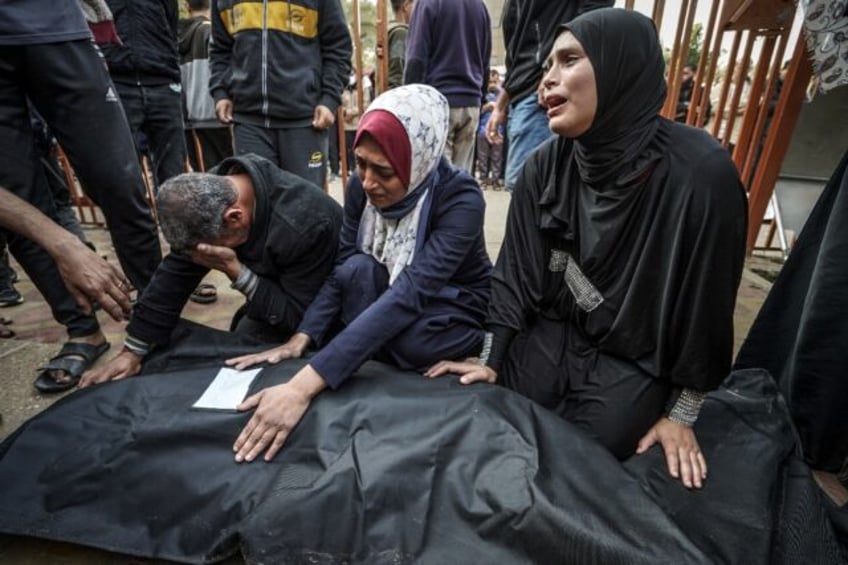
[[612, 297]]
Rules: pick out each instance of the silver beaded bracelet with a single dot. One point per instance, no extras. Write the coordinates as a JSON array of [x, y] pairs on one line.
[[687, 407], [487, 349]]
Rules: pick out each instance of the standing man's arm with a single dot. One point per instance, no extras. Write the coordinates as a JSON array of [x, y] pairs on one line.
[[498, 117], [417, 44], [397, 56], [88, 277], [486, 46], [173, 12], [336, 53], [220, 59]]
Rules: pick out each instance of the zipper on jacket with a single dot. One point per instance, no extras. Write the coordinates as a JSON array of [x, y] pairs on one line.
[[265, 64]]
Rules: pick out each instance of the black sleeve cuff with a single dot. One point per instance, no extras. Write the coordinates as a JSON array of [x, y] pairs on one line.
[[501, 339]]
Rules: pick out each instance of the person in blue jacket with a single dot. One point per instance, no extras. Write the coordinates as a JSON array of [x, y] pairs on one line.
[[411, 282]]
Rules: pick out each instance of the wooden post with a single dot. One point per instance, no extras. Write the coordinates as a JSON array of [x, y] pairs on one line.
[[357, 50], [777, 141], [704, 77], [382, 55], [342, 145], [198, 151], [748, 141], [738, 88], [682, 59], [657, 15], [681, 42], [728, 76]]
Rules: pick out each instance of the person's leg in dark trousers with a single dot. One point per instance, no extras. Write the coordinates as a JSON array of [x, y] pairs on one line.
[[249, 138], [443, 331], [612, 400], [206, 147], [496, 164], [21, 173], [9, 296], [61, 196], [156, 111], [216, 144], [69, 85], [350, 136], [132, 101], [362, 281], [333, 151], [163, 126], [483, 153], [303, 151], [6, 272]]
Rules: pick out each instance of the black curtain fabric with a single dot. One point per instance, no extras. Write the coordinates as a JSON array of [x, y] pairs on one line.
[[801, 333], [396, 468]]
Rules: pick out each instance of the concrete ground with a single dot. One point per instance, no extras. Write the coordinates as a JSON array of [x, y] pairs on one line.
[[39, 337]]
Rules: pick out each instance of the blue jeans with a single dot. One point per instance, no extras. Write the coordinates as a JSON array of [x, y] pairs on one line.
[[527, 128]]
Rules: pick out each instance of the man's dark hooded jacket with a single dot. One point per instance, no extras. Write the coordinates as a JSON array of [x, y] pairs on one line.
[[291, 247]]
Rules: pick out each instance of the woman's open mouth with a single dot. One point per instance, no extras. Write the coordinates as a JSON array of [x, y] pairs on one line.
[[554, 103]]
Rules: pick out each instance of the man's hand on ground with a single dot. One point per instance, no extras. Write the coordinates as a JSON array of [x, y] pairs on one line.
[[124, 364]]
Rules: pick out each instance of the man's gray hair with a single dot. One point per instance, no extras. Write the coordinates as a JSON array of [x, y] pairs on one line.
[[191, 209]]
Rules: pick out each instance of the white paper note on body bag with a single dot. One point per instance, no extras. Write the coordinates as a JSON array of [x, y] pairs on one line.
[[227, 390]]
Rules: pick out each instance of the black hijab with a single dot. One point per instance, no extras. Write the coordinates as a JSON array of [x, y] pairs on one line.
[[651, 212], [625, 53]]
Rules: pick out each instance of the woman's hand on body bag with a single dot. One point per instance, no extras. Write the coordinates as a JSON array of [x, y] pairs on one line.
[[469, 371], [682, 452], [292, 349]]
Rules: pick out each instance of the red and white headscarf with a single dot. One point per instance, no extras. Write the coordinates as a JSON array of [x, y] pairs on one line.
[[410, 125], [424, 114]]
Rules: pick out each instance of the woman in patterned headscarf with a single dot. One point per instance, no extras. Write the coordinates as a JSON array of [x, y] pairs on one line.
[[411, 284], [612, 299]]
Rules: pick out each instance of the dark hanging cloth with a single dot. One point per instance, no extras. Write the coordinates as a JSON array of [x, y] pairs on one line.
[[801, 333], [397, 468], [652, 213]]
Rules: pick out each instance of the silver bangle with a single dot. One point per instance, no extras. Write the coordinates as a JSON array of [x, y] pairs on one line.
[[487, 348], [687, 407]]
